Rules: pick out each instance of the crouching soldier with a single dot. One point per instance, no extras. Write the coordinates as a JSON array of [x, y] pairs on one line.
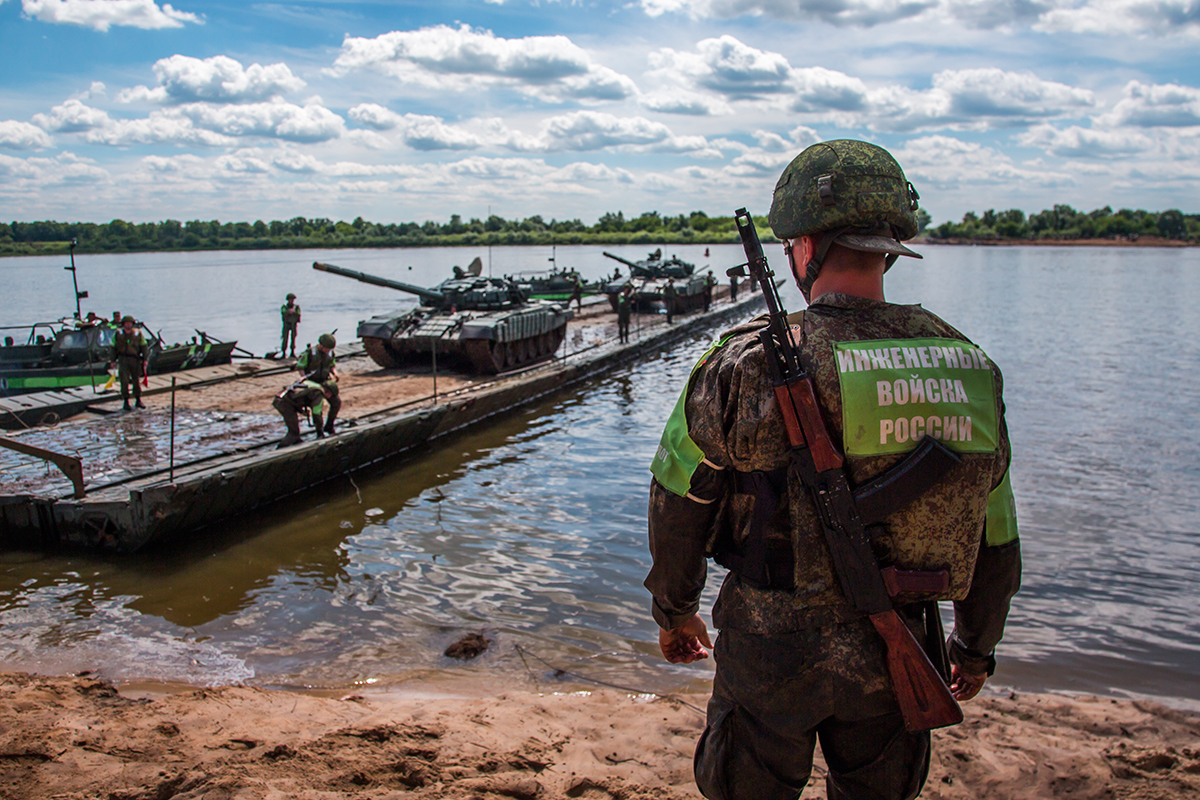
[[318, 366], [303, 396]]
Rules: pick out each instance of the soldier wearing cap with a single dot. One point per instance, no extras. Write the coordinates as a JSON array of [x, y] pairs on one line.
[[129, 352], [624, 312], [796, 661], [319, 366], [290, 313]]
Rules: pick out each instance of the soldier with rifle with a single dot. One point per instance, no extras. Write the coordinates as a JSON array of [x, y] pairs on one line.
[[319, 367], [849, 466], [306, 397]]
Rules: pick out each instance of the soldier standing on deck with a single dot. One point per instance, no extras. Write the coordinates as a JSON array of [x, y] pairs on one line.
[[797, 659], [129, 353], [318, 366], [668, 296], [290, 312], [733, 287], [576, 292], [624, 311], [709, 283]]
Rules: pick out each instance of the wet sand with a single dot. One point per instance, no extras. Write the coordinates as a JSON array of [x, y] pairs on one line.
[[77, 737]]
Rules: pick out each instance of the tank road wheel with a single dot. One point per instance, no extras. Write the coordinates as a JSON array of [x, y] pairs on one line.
[[380, 352], [483, 355]]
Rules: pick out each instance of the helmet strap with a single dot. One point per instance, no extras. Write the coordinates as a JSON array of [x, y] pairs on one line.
[[813, 268]]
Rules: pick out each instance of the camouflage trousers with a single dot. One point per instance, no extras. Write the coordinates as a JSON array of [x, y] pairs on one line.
[[775, 696], [289, 332], [129, 373]]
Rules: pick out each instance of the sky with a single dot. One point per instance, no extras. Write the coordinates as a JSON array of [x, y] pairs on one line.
[[395, 111]]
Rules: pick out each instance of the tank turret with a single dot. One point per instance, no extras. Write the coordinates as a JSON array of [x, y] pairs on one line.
[[486, 324], [650, 277]]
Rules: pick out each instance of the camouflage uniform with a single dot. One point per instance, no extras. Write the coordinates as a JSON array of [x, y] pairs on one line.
[[302, 395], [624, 312], [289, 312], [668, 298], [317, 366], [795, 661], [130, 353]]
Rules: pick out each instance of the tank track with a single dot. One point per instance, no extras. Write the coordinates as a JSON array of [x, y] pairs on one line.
[[380, 352], [489, 358]]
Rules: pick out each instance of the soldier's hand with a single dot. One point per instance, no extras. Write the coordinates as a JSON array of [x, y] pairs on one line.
[[963, 684], [685, 644]]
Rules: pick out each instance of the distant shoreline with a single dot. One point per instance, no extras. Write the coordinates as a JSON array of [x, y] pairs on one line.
[[1143, 241], [58, 249]]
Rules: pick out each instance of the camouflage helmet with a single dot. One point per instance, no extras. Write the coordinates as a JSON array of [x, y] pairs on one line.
[[291, 296], [127, 318], [843, 184], [327, 340]]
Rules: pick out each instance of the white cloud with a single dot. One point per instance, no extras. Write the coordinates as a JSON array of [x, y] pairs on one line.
[[1122, 17], [726, 66], [100, 15], [1162, 105], [65, 169], [836, 12], [977, 99], [158, 128], [992, 92], [950, 163], [375, 116], [182, 79], [1109, 17], [275, 119], [685, 102], [462, 59], [72, 117], [1077, 142], [430, 133], [16, 135]]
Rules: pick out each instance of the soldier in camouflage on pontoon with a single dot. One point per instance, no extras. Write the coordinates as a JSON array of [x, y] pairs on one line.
[[129, 353], [319, 366], [289, 313], [796, 661]]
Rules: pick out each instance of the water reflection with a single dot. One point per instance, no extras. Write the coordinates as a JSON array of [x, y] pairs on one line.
[[533, 529]]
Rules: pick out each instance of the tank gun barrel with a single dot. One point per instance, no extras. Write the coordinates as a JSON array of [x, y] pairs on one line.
[[420, 291], [624, 261]]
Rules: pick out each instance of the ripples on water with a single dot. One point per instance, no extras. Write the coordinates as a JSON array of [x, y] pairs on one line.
[[533, 530]]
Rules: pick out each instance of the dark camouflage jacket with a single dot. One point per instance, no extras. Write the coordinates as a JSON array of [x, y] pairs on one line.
[[316, 365], [732, 417], [128, 345]]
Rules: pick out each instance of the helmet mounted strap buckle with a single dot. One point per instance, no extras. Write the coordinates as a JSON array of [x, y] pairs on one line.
[[825, 190]]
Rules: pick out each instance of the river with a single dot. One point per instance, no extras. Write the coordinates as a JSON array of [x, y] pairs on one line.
[[532, 530]]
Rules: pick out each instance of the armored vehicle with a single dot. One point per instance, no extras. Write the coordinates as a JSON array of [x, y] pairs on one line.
[[556, 283], [72, 353], [650, 278], [486, 325]]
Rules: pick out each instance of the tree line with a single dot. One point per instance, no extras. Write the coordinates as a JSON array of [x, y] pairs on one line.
[[1065, 223], [118, 236]]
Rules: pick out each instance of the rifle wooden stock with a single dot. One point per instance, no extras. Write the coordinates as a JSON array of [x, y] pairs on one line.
[[798, 401], [925, 701]]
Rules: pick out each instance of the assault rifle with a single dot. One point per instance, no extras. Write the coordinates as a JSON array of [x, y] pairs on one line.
[[924, 699]]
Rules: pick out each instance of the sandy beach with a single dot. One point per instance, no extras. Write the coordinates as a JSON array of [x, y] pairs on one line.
[[78, 737]]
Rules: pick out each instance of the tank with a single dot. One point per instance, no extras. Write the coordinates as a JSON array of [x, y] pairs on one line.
[[482, 325], [650, 278], [556, 283]]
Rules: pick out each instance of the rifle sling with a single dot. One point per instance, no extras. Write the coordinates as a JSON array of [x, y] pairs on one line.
[[769, 565]]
